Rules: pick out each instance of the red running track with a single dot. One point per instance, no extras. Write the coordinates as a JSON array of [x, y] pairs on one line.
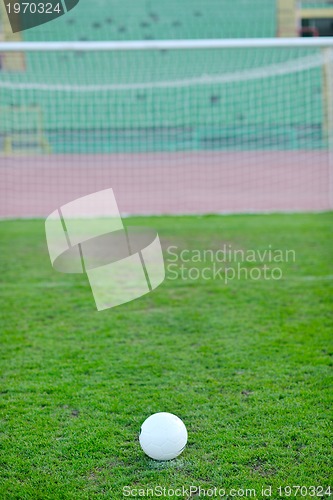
[[169, 183]]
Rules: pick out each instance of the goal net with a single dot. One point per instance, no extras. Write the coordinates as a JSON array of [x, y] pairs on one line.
[[173, 127]]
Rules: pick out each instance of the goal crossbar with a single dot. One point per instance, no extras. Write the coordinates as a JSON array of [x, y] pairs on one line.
[[232, 43]]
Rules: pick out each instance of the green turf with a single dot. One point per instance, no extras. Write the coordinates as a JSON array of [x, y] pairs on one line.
[[247, 366]]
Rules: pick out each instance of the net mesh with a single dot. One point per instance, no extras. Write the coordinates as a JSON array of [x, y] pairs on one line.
[[172, 131]]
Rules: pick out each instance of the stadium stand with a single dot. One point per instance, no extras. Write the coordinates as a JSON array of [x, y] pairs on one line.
[[102, 101], [140, 20]]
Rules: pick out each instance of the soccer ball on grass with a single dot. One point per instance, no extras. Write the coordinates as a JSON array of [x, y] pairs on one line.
[[163, 436]]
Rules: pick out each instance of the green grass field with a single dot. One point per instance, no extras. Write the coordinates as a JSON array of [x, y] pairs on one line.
[[247, 365]]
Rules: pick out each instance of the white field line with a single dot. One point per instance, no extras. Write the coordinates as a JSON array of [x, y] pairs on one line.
[[69, 284]]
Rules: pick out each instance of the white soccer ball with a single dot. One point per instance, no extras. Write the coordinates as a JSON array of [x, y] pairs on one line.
[[163, 436]]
